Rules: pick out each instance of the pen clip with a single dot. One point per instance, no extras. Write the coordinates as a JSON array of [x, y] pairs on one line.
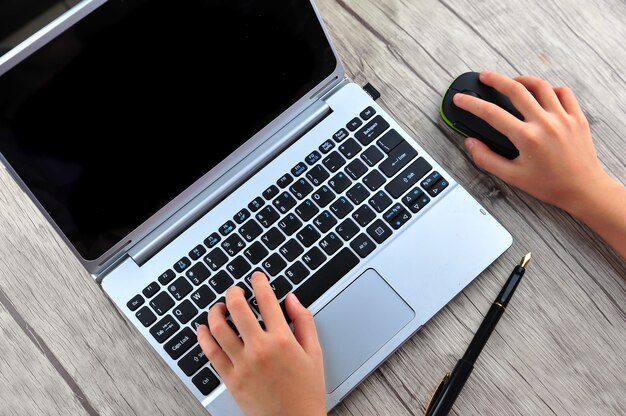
[[437, 393]]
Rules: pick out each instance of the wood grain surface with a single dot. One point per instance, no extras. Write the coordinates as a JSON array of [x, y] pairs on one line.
[[559, 349]]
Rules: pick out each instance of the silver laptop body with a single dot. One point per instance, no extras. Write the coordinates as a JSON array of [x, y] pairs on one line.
[[426, 241]]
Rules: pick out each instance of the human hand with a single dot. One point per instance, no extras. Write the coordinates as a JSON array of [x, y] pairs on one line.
[[557, 162], [268, 372]]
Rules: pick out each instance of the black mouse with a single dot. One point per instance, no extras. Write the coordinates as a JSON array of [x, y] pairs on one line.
[[468, 124]]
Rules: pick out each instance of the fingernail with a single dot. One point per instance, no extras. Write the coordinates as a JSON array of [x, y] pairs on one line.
[[456, 98], [485, 72], [294, 298], [469, 143]]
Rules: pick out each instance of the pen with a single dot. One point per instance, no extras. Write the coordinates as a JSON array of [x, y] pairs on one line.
[[453, 382]]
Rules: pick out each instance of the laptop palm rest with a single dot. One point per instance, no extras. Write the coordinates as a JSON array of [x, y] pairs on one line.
[[357, 323]]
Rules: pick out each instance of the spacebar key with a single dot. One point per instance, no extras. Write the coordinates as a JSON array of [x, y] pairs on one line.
[[327, 276]]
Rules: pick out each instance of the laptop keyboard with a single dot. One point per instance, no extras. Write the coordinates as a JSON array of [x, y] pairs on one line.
[[305, 232]]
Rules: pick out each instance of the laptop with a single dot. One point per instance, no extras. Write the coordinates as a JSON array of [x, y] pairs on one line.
[[177, 148]]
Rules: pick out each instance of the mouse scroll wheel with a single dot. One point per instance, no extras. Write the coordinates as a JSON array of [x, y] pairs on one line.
[[472, 93]]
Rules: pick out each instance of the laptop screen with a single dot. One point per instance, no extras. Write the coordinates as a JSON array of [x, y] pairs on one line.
[[122, 112]]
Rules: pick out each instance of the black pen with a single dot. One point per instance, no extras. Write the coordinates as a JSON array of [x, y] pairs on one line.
[[453, 382]]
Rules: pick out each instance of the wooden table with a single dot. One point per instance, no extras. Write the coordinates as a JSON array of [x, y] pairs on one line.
[[558, 350]]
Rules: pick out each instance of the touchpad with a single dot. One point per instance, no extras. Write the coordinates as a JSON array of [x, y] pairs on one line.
[[357, 323]]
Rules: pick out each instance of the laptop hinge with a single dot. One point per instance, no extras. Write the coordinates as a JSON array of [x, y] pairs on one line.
[[219, 189]]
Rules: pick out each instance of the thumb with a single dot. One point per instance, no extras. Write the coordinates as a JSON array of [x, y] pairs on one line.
[[490, 161], [303, 324]]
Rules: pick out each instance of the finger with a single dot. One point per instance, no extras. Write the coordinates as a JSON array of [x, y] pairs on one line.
[[521, 98], [488, 160], [242, 316], [303, 324], [495, 116], [543, 92], [568, 101], [223, 333], [214, 352], [268, 304]]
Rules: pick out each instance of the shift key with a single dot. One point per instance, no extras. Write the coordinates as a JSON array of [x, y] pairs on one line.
[[409, 177], [398, 158]]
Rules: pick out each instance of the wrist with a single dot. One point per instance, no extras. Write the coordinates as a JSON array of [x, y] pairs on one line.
[[590, 202]]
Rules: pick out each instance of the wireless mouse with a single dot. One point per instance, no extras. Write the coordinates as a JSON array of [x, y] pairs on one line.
[[468, 124]]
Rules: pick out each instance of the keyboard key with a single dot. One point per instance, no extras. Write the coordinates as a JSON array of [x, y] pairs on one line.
[[135, 302], [164, 329], [389, 141], [270, 192], [400, 219], [356, 169], [162, 303], [238, 267], [299, 169], [347, 229], [233, 245], [181, 343], [329, 274], [205, 381], [281, 287], [241, 216], [371, 130], [203, 296], [179, 288], [437, 188], [317, 175], [167, 276], [340, 182], [145, 316], [358, 193], [323, 196], [291, 250], [331, 243], [374, 180], [212, 240], [363, 245], [431, 179], [247, 293], [398, 158], [380, 201], [334, 161], [301, 188], [182, 264], [216, 259], [364, 215], [327, 146], [367, 113], [227, 228], [372, 155], [250, 230], [379, 231], [273, 238], [220, 282], [284, 202], [297, 272], [308, 235], [274, 264], [325, 221], [267, 216], [350, 148], [409, 177], [284, 181], [198, 273], [151, 290], [256, 204], [306, 210], [197, 252], [340, 135], [249, 275], [185, 311], [314, 258], [412, 196], [256, 252], [354, 124], [289, 224], [419, 203], [341, 207], [201, 319], [313, 158], [193, 361]]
